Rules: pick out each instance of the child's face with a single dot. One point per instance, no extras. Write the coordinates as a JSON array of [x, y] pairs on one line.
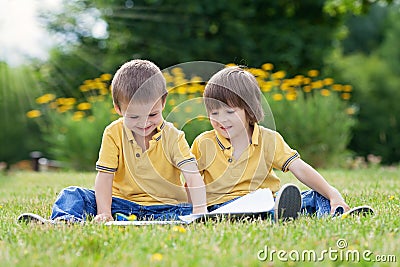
[[230, 122], [142, 119]]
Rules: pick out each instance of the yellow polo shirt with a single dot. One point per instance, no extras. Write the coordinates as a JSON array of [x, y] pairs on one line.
[[147, 178], [227, 178]]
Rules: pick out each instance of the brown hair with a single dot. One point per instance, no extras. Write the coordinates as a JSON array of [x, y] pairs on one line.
[[138, 79], [235, 87]]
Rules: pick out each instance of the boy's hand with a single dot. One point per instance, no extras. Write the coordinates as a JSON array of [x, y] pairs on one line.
[[336, 202], [200, 210], [103, 217]]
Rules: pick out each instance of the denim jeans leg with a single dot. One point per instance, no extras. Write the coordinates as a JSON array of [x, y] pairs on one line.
[[315, 203], [125, 207], [74, 204], [166, 212]]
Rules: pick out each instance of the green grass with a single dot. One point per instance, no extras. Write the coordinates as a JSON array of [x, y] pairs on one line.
[[209, 244]]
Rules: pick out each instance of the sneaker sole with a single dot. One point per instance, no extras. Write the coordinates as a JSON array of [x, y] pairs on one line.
[[32, 218], [287, 203]]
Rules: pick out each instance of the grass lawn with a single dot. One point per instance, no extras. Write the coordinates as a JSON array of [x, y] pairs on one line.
[[259, 243]]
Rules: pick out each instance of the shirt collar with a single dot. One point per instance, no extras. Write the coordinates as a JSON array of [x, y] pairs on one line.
[[224, 143], [256, 133]]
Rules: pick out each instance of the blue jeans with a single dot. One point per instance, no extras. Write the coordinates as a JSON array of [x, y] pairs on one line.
[[313, 203], [78, 204]]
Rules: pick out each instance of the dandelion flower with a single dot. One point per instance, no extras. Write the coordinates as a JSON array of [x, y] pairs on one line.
[[325, 92], [132, 217], [45, 98], [156, 257], [179, 229], [267, 66], [313, 73], [391, 197], [84, 106], [346, 96], [78, 115], [33, 114]]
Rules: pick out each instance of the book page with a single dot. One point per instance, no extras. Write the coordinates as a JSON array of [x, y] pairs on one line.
[[258, 201]]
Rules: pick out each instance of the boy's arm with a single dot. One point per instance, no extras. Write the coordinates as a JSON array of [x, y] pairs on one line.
[[196, 188], [310, 177], [103, 193]]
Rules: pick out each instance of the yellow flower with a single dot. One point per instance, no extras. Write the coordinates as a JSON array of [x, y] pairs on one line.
[[306, 80], [156, 257], [45, 98], [307, 89], [104, 91], [78, 115], [346, 96], [344, 216], [105, 77], [328, 81], [277, 97], [337, 87], [347, 88], [267, 66], [291, 96], [66, 101], [266, 87], [196, 79], [179, 229], [84, 106], [132, 217], [177, 72], [313, 73], [84, 88], [391, 197], [279, 75], [181, 90], [325, 92], [317, 84], [33, 114]]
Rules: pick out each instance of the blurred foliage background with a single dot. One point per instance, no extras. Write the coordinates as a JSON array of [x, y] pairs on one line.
[[352, 42]]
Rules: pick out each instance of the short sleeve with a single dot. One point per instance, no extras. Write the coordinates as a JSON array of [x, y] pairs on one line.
[[181, 151], [109, 153], [284, 155]]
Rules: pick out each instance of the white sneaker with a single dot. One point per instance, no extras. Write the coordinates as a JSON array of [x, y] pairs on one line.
[[287, 203], [33, 218]]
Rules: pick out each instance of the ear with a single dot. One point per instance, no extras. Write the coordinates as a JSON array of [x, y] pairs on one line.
[[163, 102], [117, 109]]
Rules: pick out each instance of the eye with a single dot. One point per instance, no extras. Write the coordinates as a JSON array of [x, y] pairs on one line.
[[230, 111], [133, 117], [214, 113], [153, 114]]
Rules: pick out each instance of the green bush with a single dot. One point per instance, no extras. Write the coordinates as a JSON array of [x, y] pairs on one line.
[[317, 126], [375, 77], [19, 136]]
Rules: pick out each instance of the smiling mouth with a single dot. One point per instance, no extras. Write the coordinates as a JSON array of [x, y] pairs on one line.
[[225, 128], [144, 129]]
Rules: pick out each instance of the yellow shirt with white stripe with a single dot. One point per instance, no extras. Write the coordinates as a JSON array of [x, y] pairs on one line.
[[227, 178], [151, 177]]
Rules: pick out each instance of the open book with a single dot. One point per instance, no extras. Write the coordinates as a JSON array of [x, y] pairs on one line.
[[259, 201]]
